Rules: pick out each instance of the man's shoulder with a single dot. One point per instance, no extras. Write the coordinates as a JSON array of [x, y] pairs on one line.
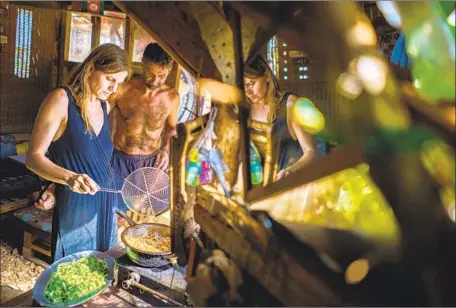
[[135, 82], [170, 92]]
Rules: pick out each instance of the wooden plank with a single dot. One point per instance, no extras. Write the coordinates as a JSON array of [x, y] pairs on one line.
[[286, 18], [23, 300], [278, 272], [244, 113], [175, 30], [218, 36], [96, 31], [9, 205], [340, 159]]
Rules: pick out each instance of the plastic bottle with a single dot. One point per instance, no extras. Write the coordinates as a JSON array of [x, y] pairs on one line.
[[206, 173], [193, 169], [256, 170]]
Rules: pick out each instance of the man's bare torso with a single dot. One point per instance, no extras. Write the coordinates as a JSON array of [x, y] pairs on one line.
[[141, 117]]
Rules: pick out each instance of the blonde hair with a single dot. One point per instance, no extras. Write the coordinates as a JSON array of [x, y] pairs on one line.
[[274, 93], [107, 58]]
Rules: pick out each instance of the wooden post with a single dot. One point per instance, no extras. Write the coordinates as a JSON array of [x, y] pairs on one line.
[[129, 38], [191, 259], [235, 22], [96, 31]]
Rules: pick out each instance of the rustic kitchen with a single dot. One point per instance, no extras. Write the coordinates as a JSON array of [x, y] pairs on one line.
[[305, 156]]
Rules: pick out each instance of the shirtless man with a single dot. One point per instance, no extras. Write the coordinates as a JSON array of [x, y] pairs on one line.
[[145, 118]]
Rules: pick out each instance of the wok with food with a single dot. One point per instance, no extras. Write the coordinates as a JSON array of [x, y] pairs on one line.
[[152, 240], [145, 242]]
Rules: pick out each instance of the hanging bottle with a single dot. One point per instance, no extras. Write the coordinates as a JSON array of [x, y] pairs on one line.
[[256, 170], [206, 170], [206, 173], [193, 169]]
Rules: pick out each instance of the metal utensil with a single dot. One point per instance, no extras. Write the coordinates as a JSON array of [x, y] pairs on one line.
[[145, 191]]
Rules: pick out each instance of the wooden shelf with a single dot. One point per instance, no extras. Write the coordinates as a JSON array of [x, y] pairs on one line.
[[340, 159]]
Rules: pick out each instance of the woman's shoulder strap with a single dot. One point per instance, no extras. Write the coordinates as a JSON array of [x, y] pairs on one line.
[[282, 111], [286, 95]]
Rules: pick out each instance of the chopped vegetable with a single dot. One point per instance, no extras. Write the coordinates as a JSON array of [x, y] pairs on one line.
[[76, 279]]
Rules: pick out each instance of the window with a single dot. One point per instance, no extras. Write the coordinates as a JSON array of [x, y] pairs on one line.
[[273, 55], [80, 37], [284, 44], [303, 77], [187, 92], [285, 77], [23, 45], [285, 69], [285, 61], [112, 31], [285, 53], [303, 68], [140, 40]]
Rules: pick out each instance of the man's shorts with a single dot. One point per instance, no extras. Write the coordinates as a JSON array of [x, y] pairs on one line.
[[124, 164]]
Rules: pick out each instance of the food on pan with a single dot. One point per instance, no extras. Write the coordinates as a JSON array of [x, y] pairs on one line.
[[151, 241], [76, 279]]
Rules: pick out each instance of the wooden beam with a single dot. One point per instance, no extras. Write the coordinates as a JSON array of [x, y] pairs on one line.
[[172, 26], [286, 20], [217, 34], [341, 159], [41, 4], [51, 5], [276, 269]]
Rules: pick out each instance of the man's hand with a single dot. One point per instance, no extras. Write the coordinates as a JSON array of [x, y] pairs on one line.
[[162, 160], [47, 200], [191, 227]]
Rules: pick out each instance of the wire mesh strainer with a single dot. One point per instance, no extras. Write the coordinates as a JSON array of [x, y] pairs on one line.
[[145, 191]]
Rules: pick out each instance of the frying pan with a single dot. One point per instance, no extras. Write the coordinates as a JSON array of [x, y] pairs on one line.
[[141, 257]]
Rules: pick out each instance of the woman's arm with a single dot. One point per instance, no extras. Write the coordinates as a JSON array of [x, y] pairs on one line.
[[305, 141], [307, 145], [51, 116]]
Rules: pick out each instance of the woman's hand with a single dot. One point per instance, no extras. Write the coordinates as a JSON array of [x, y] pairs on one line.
[[82, 184], [282, 173], [47, 200]]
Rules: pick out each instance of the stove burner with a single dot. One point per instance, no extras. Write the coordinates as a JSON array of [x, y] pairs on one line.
[[166, 280]]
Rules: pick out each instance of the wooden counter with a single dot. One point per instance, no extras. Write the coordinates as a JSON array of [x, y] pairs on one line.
[[111, 297]]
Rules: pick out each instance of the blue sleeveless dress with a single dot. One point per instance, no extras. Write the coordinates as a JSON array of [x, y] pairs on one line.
[[83, 222], [290, 150]]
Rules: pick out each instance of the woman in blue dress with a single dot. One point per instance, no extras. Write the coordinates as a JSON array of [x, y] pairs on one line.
[[73, 125], [271, 104]]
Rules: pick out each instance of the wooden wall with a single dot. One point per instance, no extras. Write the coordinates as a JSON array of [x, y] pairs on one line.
[[21, 97]]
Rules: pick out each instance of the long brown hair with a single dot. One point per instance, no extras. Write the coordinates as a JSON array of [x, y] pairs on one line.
[[274, 94], [107, 58]]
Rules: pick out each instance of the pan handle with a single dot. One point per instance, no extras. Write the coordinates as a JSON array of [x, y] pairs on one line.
[[125, 216]]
